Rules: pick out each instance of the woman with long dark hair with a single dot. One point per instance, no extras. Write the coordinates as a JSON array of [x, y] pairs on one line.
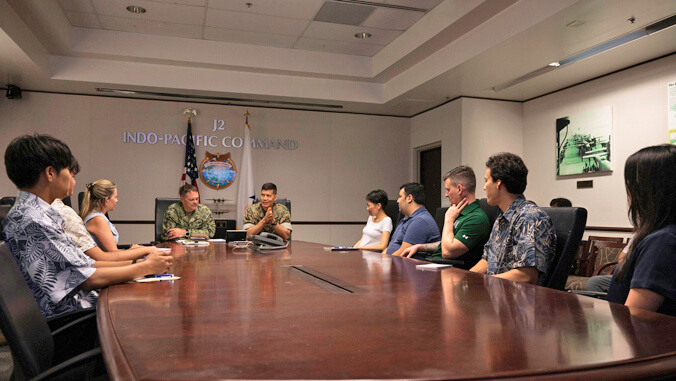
[[647, 276]]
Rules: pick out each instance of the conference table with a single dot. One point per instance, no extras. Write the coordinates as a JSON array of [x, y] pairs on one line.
[[307, 313]]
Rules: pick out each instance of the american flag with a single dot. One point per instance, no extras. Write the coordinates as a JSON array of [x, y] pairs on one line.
[[190, 167]]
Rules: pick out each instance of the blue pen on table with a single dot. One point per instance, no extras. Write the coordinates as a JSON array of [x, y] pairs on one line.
[[159, 276], [341, 247]]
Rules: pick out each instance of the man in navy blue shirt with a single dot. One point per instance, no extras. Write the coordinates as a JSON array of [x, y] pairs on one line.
[[418, 226]]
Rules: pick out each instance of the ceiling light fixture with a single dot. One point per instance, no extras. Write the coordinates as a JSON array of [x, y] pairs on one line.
[[363, 35], [594, 50], [384, 5], [135, 9], [221, 99]]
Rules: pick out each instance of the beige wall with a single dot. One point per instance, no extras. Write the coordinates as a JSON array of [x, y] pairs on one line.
[[340, 157], [638, 97], [489, 127], [469, 130]]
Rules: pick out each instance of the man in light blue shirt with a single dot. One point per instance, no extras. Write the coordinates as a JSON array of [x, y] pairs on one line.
[[418, 226]]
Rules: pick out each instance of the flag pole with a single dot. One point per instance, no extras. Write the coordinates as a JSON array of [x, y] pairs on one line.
[[245, 189]]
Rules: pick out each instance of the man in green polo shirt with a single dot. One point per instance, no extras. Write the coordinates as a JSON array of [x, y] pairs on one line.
[[466, 226]]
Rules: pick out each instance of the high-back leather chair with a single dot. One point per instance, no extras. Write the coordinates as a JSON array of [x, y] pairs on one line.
[[37, 351], [80, 197], [7, 200], [492, 212], [66, 201], [440, 216], [569, 224], [4, 210], [161, 206], [392, 211]]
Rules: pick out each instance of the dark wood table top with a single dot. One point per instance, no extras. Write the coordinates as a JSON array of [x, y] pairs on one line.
[[306, 313]]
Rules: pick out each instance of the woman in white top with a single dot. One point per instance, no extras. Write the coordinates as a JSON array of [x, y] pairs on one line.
[[376, 233]]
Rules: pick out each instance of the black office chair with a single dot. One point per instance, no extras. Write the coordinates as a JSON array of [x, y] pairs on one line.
[[8, 200], [80, 197], [4, 210], [569, 224], [161, 206], [439, 217], [492, 212], [222, 226], [39, 353], [392, 211], [66, 201]]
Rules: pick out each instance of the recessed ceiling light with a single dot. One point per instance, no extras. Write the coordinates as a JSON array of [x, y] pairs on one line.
[[363, 35], [136, 9], [575, 23], [554, 64]]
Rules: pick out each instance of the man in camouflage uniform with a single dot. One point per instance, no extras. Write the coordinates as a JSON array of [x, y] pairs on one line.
[[267, 216], [188, 217]]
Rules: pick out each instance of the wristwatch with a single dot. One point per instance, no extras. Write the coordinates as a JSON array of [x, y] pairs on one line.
[[187, 234]]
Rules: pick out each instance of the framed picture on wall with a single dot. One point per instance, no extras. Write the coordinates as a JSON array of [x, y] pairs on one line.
[[583, 142]]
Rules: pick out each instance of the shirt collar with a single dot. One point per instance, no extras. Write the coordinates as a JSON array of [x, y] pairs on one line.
[[28, 197], [418, 211], [469, 208], [516, 204]]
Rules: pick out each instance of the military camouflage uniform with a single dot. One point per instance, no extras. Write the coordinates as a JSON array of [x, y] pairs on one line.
[[255, 213], [200, 222]]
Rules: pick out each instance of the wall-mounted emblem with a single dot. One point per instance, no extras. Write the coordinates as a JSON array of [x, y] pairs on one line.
[[217, 171]]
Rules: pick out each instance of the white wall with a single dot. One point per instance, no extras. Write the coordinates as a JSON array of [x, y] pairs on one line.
[[442, 125], [470, 130], [638, 97], [489, 127], [340, 157]]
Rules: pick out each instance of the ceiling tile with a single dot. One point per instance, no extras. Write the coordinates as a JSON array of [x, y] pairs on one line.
[[255, 23], [293, 9], [388, 18], [83, 6], [199, 3], [156, 11], [338, 47], [337, 32], [423, 4], [85, 20], [344, 13], [244, 37], [151, 27]]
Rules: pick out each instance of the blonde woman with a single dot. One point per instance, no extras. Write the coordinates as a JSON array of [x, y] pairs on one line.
[[99, 199]]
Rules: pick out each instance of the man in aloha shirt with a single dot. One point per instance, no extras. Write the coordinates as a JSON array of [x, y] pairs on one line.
[[188, 217], [522, 243], [268, 216], [60, 276]]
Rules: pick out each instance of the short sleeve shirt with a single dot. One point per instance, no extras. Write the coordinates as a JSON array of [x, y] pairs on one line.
[[199, 222], [652, 266], [522, 236], [52, 265], [419, 227], [373, 231], [74, 226], [472, 228], [255, 213]]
